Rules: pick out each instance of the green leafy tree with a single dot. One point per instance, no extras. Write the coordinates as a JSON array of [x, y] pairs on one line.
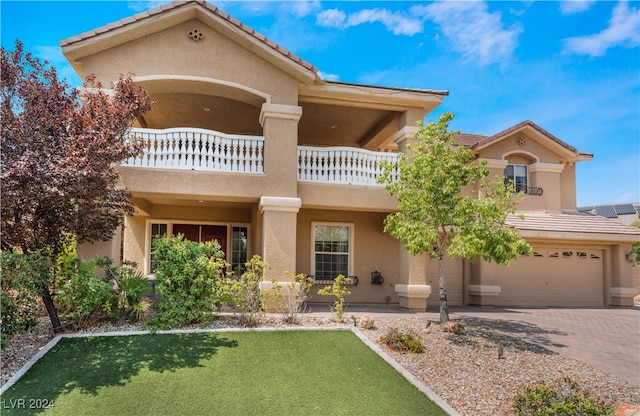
[[438, 212], [59, 157], [636, 246]]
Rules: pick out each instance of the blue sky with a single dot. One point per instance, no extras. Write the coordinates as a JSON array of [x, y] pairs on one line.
[[571, 67]]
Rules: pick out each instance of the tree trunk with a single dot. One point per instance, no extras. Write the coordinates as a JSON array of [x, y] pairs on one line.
[[51, 309], [444, 305]]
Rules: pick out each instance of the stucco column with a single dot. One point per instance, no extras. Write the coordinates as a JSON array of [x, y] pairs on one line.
[[280, 128], [279, 219], [484, 288], [404, 137], [621, 291], [414, 290]]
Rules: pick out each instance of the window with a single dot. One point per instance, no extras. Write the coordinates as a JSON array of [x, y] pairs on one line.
[[238, 248], [236, 253], [332, 250], [516, 176], [157, 230]]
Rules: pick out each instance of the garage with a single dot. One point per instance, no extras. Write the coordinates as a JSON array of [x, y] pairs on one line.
[[553, 277], [453, 281]]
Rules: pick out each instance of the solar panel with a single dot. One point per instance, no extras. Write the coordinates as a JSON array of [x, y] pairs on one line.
[[606, 211], [624, 209]]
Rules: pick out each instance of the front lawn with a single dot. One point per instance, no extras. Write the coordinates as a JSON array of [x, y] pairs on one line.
[[225, 373]]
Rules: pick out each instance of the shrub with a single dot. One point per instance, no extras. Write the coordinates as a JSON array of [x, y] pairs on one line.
[[188, 276], [339, 291], [87, 298], [400, 341], [296, 294], [244, 292], [131, 288], [22, 278], [563, 398]]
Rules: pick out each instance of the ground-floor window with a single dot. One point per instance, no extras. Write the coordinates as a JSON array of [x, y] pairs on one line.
[[233, 239], [332, 249]]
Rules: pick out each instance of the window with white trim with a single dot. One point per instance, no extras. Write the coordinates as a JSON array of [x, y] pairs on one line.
[[158, 230], [236, 253], [332, 250], [516, 176], [239, 247]]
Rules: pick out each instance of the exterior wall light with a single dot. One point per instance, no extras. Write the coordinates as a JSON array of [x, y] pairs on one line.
[[376, 278], [631, 256]]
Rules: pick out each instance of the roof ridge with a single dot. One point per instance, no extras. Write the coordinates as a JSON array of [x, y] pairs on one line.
[[175, 5]]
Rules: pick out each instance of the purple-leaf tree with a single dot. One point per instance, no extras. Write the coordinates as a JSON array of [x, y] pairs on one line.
[[60, 152]]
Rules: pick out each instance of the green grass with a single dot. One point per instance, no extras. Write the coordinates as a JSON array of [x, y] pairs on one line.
[[230, 373]]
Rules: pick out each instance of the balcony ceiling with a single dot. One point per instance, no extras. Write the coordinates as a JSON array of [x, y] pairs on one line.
[[320, 125]]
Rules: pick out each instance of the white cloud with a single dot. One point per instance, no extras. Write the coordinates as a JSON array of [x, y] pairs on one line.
[[396, 22], [331, 18], [328, 77], [141, 6], [575, 6], [474, 32], [305, 8], [623, 30]]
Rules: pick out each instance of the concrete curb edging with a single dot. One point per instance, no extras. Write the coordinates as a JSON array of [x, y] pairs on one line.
[[406, 374], [30, 363]]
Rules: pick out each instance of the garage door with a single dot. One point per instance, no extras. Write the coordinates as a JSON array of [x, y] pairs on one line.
[[453, 281], [553, 277]]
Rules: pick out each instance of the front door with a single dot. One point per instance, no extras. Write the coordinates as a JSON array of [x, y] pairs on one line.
[[202, 233]]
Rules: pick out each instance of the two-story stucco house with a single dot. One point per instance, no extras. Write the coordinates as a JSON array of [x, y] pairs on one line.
[[247, 145]]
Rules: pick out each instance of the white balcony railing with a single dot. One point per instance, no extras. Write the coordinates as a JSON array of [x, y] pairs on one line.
[[199, 149], [208, 150], [345, 165]]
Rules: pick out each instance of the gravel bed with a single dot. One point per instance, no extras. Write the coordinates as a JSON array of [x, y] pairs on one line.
[[463, 369]]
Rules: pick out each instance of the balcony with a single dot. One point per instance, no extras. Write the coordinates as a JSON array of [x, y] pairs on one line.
[[207, 150], [343, 165], [198, 149]]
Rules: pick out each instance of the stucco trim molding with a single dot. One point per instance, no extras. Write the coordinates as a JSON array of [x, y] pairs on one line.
[[405, 133], [484, 290], [413, 291], [623, 292], [494, 163], [280, 111], [280, 204], [521, 152], [546, 167]]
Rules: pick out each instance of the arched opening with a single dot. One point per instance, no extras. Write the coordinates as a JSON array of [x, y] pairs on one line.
[[206, 103]]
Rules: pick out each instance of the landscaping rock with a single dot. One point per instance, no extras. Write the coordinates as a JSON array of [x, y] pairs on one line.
[[367, 322]]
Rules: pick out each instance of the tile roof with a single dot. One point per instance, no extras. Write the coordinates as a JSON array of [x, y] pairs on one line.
[[473, 140], [468, 140], [177, 4], [578, 222]]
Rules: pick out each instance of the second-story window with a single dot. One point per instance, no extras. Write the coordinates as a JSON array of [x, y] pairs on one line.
[[516, 175]]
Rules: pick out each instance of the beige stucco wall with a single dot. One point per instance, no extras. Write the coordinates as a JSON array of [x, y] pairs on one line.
[[373, 250], [214, 56]]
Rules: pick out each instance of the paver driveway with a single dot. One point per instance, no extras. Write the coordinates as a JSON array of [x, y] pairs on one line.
[[607, 339]]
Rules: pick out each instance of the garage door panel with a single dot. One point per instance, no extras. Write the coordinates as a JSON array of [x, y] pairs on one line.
[[553, 277]]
